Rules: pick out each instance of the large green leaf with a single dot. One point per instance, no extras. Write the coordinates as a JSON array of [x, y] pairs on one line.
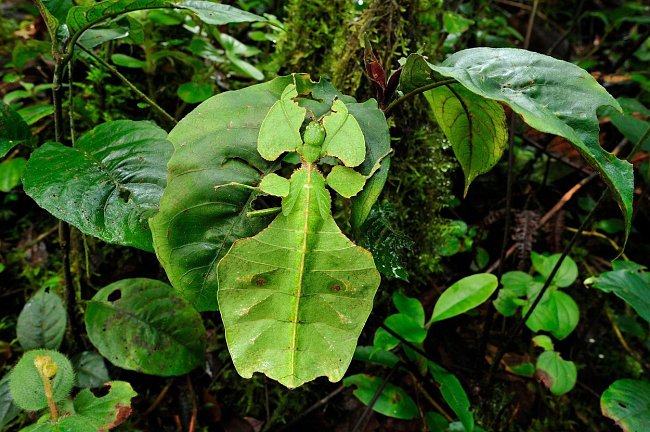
[[295, 297], [630, 284], [552, 96], [108, 411], [557, 374], [213, 145], [464, 295], [474, 126], [42, 322], [108, 185], [393, 401], [627, 402], [80, 17], [13, 129], [142, 325]]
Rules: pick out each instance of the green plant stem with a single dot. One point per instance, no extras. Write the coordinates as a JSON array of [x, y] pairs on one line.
[[70, 103], [391, 106], [264, 212], [547, 283], [57, 101], [130, 85]]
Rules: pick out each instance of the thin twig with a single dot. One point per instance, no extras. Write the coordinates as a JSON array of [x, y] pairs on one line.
[[362, 420], [311, 409], [531, 23], [129, 84], [522, 320]]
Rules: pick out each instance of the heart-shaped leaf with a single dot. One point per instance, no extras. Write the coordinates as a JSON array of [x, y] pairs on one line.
[[557, 374], [108, 185]]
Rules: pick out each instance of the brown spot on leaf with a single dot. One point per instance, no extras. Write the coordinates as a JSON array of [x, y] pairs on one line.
[[545, 378], [123, 412], [260, 282], [336, 288]]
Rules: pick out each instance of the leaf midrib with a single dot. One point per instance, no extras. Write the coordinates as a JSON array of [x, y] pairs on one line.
[[301, 270]]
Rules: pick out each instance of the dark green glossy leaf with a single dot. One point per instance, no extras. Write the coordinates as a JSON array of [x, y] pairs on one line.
[[108, 185], [58, 8], [213, 145], [630, 284], [627, 402], [142, 325], [552, 96], [91, 370], [464, 295], [42, 322], [10, 173], [392, 402], [387, 245], [474, 126], [13, 129], [84, 16], [108, 411], [557, 374]]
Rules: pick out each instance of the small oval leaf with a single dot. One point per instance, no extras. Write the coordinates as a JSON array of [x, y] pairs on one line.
[[464, 295], [42, 322]]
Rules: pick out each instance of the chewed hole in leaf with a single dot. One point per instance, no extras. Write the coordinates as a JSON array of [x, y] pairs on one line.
[[114, 296], [100, 391]]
